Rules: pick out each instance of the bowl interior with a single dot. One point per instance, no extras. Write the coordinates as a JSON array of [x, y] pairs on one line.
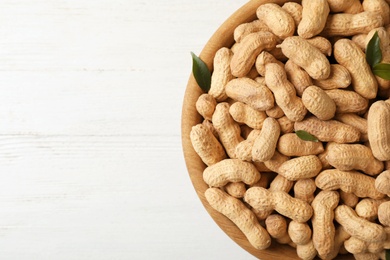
[[223, 37]]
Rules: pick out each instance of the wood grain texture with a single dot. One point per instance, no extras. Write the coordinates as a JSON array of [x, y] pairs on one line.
[[91, 159]]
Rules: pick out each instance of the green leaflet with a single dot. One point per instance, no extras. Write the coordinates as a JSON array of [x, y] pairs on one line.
[[387, 254], [306, 136], [374, 57], [373, 51], [382, 70], [201, 73]]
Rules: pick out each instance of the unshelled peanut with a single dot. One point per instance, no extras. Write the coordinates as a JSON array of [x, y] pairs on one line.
[[347, 157], [349, 55], [357, 226], [339, 78], [349, 181], [250, 92], [228, 130], [265, 144], [329, 131], [263, 199], [318, 102], [251, 46], [206, 145], [291, 145], [323, 228], [284, 92], [313, 11], [221, 74], [305, 55], [280, 22], [230, 170], [378, 121], [302, 167], [240, 215]]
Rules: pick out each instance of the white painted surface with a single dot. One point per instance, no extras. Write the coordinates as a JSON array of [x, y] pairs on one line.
[[91, 165]]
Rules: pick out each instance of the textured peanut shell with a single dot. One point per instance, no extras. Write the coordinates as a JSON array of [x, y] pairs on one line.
[[382, 182], [206, 145], [340, 236], [355, 245], [291, 145], [378, 121], [329, 131], [307, 251], [319, 103], [265, 144], [349, 55], [368, 208], [298, 77], [347, 101], [263, 59], [302, 167], [304, 190], [365, 256], [286, 125], [221, 74], [378, 7], [281, 184], [240, 215], [295, 10], [348, 157], [348, 199], [384, 213], [205, 105], [244, 149], [276, 160], [277, 19], [230, 170], [276, 226], [263, 199], [339, 78], [209, 125], [305, 55], [356, 121], [360, 40], [250, 92], [250, 47], [235, 189], [300, 233], [323, 228], [228, 130], [275, 112], [344, 24], [359, 227], [345, 6], [321, 43], [247, 28], [245, 114], [284, 92], [313, 11], [354, 182]]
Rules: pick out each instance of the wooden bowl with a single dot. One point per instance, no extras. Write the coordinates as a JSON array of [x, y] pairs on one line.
[[223, 37]]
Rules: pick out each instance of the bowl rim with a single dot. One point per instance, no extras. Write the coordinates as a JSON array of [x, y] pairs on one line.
[[223, 37]]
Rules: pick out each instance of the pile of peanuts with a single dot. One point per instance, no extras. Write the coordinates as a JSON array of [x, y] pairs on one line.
[[302, 66]]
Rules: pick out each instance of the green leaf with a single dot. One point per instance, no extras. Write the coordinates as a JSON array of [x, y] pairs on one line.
[[201, 73], [306, 136], [387, 254], [373, 50], [382, 70]]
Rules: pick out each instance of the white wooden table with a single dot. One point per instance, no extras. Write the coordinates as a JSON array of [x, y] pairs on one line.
[[91, 165]]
